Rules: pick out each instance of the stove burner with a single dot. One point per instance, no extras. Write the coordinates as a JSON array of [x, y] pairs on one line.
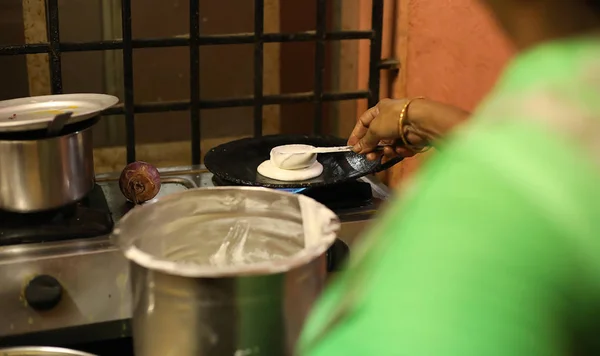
[[345, 195], [90, 217]]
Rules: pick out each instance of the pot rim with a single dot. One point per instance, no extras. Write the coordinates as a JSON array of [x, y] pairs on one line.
[[303, 257], [92, 122]]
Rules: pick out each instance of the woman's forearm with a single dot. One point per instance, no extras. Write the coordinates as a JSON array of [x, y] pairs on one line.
[[429, 121]]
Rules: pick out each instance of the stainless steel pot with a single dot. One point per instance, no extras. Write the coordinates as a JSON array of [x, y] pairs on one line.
[[253, 299], [45, 173], [40, 351]]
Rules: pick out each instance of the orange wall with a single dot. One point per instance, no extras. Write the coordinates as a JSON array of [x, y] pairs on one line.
[[455, 54]]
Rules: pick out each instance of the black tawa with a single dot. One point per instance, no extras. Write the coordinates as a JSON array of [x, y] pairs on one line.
[[236, 161]]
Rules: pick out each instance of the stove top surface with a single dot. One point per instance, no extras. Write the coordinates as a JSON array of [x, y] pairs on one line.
[[95, 215], [90, 217], [92, 273]]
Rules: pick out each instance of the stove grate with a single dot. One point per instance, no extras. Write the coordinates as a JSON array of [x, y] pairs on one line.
[[88, 218]]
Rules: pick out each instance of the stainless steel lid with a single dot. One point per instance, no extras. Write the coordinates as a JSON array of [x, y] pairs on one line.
[[36, 112], [41, 351]]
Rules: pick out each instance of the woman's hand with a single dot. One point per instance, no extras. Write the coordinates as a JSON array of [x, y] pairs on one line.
[[424, 122], [380, 125]]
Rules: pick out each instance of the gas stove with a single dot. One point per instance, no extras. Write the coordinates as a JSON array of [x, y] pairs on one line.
[[63, 282]]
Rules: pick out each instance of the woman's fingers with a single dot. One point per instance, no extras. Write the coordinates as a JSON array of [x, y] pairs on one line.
[[362, 125], [403, 151], [368, 143], [384, 159], [389, 152], [373, 156]]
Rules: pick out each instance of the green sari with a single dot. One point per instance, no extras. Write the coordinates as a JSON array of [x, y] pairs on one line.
[[494, 251]]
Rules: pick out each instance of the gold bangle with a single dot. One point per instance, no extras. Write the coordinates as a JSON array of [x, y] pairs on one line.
[[403, 115]]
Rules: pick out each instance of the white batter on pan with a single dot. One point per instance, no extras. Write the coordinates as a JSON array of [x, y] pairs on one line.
[[270, 170]]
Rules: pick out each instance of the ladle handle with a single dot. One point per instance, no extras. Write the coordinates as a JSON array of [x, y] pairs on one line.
[[340, 149]]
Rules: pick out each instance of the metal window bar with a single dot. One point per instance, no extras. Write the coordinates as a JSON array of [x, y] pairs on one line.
[[128, 79], [55, 48], [195, 79], [319, 65], [259, 24]]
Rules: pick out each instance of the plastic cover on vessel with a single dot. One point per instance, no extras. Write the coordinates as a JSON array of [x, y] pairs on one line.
[[210, 232]]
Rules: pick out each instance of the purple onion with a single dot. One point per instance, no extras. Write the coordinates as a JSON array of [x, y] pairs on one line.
[[139, 182]]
